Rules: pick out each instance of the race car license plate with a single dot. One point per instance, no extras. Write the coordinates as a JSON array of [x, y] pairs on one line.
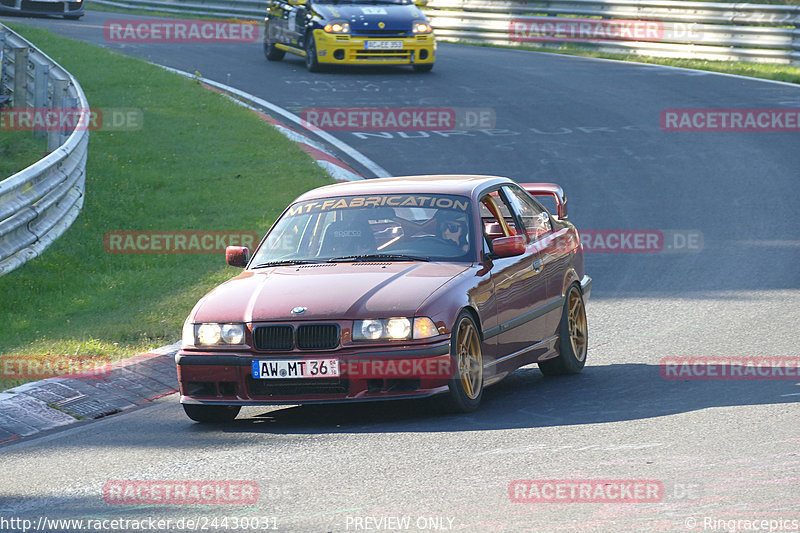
[[383, 45], [296, 368]]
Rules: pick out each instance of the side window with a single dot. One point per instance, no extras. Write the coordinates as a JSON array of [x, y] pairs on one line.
[[535, 220], [497, 218]]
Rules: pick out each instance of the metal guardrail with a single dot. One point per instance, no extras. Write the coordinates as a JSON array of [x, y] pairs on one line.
[[701, 30], [38, 204]]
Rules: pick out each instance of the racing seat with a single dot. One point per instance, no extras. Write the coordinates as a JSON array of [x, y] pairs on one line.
[[348, 237]]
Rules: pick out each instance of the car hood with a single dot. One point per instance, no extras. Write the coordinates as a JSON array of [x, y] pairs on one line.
[[328, 291], [366, 17]]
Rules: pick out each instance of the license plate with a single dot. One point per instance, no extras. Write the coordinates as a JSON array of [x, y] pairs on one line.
[[296, 368], [383, 45]]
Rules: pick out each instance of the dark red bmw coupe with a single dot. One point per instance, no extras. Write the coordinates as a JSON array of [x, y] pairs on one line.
[[391, 288]]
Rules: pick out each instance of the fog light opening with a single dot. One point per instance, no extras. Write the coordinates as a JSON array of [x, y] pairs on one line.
[[374, 385], [423, 55], [201, 388], [338, 54], [227, 388]]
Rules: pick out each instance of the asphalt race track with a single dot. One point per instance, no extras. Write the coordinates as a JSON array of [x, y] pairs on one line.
[[726, 283]]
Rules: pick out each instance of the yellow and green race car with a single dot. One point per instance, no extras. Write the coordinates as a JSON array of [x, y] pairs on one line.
[[350, 32]]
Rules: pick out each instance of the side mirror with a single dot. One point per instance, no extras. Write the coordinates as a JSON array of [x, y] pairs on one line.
[[509, 246], [420, 3], [237, 256]]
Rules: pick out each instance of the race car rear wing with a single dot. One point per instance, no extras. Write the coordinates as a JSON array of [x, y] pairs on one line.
[[549, 189]]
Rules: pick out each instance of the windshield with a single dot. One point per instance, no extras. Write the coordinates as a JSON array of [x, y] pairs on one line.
[[394, 226]]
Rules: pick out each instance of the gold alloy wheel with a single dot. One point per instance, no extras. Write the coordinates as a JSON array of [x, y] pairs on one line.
[[576, 315], [470, 360]]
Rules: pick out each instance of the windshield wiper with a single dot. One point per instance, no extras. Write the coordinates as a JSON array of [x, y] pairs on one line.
[[377, 257], [285, 262]]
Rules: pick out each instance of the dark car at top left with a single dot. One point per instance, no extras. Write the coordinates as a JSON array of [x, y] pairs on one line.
[[68, 10]]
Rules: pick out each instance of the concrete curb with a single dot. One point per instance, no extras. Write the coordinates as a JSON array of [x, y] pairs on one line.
[[49, 403], [53, 402]]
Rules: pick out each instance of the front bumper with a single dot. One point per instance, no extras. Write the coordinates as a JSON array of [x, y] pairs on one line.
[[586, 287], [351, 50], [32, 7], [366, 375]]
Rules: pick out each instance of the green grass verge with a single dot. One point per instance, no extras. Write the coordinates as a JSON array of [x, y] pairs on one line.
[[200, 162], [19, 150], [768, 71]]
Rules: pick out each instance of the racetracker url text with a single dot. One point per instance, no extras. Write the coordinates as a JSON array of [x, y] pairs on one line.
[[196, 523]]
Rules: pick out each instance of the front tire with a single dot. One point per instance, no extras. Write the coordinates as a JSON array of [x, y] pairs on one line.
[[211, 414], [573, 337], [272, 53], [466, 385], [312, 64]]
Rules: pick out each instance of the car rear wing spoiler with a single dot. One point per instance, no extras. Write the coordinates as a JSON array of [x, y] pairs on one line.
[[549, 189]]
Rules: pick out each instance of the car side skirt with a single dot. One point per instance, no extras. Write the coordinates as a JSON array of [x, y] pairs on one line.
[[290, 49], [524, 319]]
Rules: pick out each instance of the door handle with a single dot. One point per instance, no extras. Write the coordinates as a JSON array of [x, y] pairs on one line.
[[537, 266]]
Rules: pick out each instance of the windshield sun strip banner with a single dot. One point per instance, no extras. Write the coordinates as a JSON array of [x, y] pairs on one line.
[[452, 203]]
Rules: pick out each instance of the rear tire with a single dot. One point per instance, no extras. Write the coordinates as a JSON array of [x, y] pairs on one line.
[[466, 385], [211, 414], [573, 337], [312, 64]]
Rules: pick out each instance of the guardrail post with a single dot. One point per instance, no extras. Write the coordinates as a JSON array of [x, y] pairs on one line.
[[55, 137], [40, 74], [795, 52], [19, 98], [3, 54], [70, 104]]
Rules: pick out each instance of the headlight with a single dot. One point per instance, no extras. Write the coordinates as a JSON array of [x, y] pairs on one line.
[[393, 329], [421, 27], [233, 333], [211, 334], [337, 27]]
